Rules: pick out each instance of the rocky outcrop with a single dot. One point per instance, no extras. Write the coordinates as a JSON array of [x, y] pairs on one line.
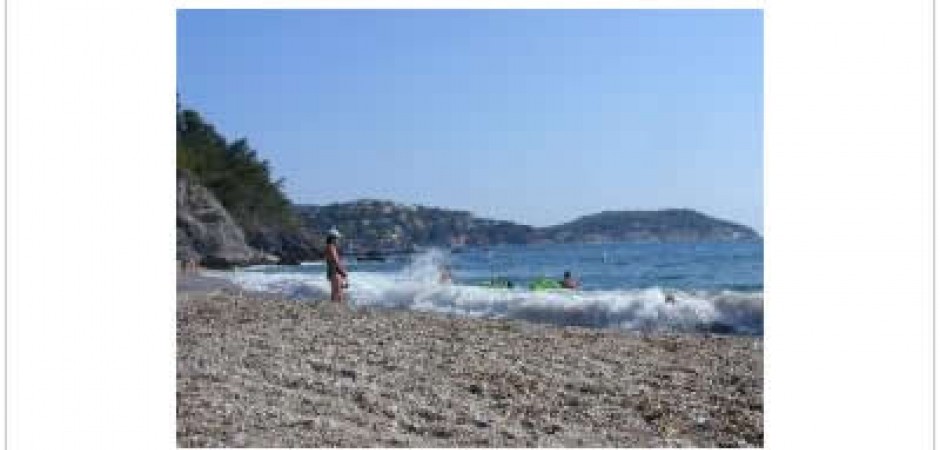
[[206, 232], [290, 247]]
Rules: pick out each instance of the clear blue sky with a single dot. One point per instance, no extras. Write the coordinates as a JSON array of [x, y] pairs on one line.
[[533, 116]]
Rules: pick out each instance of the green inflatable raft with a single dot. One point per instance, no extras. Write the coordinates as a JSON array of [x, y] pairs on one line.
[[543, 284]]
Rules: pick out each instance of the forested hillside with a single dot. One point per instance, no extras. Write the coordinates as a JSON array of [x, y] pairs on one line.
[[234, 174]]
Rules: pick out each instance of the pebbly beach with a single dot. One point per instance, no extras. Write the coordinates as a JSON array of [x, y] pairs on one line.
[[258, 371]]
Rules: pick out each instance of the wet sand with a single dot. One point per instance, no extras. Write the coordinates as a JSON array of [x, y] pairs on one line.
[[255, 371]]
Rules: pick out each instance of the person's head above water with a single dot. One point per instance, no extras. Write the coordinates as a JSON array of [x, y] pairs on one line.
[[568, 282]]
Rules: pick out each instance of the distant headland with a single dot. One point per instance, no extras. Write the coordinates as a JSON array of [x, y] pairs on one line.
[[389, 226]]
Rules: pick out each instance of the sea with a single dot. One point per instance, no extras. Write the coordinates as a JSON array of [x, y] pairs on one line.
[[671, 287]]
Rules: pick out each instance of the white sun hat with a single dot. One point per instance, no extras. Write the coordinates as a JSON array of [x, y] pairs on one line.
[[334, 232]]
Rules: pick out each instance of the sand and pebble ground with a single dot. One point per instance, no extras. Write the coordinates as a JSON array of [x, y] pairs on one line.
[[256, 371]]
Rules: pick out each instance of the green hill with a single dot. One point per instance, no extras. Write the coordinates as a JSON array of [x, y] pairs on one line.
[[386, 225], [670, 225], [389, 226]]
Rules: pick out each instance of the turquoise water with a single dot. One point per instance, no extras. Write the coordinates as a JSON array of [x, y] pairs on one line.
[[717, 266]]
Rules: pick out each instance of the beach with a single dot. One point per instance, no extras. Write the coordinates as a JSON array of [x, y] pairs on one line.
[[258, 371]]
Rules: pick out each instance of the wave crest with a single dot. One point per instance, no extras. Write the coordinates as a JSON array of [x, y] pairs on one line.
[[632, 309]]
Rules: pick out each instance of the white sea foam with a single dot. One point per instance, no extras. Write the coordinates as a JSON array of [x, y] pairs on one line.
[[417, 288]]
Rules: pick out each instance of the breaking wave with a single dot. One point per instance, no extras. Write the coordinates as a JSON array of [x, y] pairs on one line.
[[417, 287]]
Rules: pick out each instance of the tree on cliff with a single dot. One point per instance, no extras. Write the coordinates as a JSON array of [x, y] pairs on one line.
[[233, 172]]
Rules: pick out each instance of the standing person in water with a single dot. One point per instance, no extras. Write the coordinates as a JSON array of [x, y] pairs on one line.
[[334, 267], [569, 283], [446, 277]]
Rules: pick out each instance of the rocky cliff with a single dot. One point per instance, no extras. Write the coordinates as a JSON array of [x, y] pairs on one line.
[[289, 246], [206, 232]]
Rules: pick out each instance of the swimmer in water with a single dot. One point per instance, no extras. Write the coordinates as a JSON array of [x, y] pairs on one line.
[[569, 283], [446, 277]]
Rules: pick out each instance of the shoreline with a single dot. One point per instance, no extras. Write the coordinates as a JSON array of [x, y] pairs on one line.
[[254, 370]]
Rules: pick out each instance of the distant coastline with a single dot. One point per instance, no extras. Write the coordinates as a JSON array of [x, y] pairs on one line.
[[386, 226], [209, 235]]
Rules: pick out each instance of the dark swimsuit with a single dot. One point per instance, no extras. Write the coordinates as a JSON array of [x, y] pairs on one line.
[[330, 270]]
